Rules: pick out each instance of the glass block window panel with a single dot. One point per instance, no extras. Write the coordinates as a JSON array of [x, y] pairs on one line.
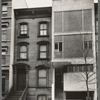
[[42, 97], [87, 19], [43, 51], [58, 22], [43, 29], [72, 21], [42, 81], [23, 52], [23, 29]]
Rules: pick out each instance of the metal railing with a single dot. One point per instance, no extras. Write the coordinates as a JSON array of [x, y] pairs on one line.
[[24, 94]]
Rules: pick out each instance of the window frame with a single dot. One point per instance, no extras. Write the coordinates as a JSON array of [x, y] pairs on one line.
[[47, 29], [45, 43], [27, 31], [58, 46], [27, 47], [4, 12], [88, 46], [42, 95], [4, 48], [79, 68], [4, 33], [42, 77]]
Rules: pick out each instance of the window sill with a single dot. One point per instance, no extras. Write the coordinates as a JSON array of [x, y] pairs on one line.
[[22, 59], [23, 36], [43, 59], [43, 36]]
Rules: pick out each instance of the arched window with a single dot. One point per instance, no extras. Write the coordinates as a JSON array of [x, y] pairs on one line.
[[23, 51], [43, 48]]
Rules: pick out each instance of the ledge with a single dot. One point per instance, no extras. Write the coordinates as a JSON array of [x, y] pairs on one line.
[[42, 58], [39, 36], [22, 59], [23, 36]]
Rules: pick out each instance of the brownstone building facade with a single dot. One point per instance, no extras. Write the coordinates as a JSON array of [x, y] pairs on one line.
[[32, 53]]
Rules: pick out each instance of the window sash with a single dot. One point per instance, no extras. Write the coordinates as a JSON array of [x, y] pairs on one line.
[[43, 29], [4, 8], [41, 97], [42, 77], [23, 52], [43, 51], [87, 45], [24, 29], [58, 46]]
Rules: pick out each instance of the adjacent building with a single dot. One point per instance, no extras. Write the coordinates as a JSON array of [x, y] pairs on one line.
[[6, 44], [73, 49]]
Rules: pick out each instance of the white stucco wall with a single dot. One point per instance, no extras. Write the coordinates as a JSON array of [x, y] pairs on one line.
[[76, 82]]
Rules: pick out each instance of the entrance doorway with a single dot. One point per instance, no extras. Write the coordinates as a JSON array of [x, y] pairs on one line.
[[21, 78]]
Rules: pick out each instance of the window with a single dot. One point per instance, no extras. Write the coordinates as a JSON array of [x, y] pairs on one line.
[[43, 29], [80, 68], [58, 46], [4, 9], [87, 45], [4, 50], [23, 51], [4, 33], [23, 29], [96, 25], [88, 42], [42, 77], [42, 97], [43, 50]]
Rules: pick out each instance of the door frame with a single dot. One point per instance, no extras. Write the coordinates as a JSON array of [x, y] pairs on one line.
[[17, 66]]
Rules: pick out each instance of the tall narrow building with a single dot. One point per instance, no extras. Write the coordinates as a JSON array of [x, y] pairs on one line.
[[32, 54], [6, 44]]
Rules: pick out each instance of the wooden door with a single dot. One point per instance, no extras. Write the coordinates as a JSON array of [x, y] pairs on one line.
[[21, 78]]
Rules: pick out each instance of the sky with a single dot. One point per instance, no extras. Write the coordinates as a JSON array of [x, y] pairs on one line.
[[33, 3]]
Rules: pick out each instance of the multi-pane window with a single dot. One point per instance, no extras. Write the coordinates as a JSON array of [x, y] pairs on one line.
[[23, 52], [87, 42], [79, 68], [23, 29], [43, 51], [42, 97], [43, 29], [58, 46], [4, 9], [87, 45], [4, 33], [42, 77]]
